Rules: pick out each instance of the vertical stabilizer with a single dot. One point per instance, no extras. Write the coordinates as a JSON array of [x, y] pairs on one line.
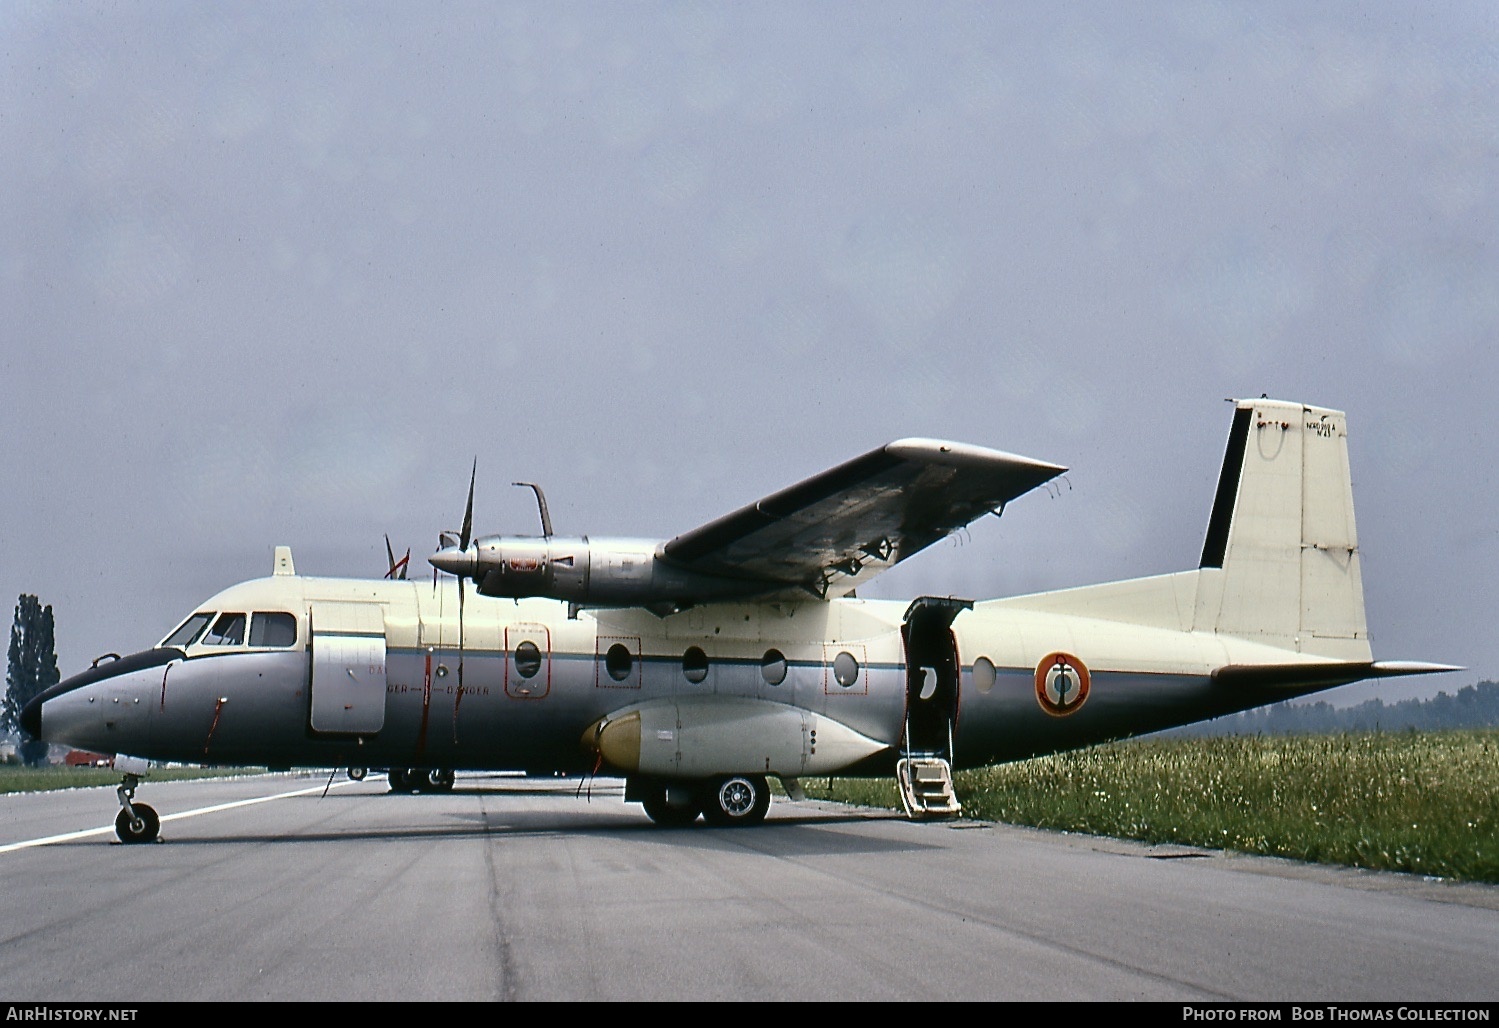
[[1280, 562]]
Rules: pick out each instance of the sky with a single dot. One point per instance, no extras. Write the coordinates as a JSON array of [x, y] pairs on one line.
[[280, 273]]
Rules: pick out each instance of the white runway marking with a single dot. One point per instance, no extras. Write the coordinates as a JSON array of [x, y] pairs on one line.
[[109, 829]]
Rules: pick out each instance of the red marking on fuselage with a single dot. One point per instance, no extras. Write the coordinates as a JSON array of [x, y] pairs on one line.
[[218, 708], [458, 699], [421, 739]]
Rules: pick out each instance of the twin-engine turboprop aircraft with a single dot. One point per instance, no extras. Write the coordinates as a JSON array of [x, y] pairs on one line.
[[700, 667]]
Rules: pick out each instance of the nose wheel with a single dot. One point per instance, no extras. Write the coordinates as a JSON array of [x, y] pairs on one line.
[[136, 822]]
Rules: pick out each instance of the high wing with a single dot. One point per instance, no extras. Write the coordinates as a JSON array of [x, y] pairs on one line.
[[825, 535], [837, 529]]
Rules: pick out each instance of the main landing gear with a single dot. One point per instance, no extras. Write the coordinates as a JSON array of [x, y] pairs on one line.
[[420, 779], [724, 802], [136, 821]]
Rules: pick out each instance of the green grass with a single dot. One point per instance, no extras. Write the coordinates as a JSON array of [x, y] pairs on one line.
[[1421, 802], [45, 779]]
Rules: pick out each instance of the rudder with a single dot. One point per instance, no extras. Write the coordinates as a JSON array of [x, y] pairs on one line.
[[1280, 562]]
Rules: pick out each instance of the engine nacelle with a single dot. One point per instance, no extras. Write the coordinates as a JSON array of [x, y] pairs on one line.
[[520, 566], [699, 736], [605, 572]]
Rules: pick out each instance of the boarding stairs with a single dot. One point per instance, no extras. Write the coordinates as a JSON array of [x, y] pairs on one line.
[[926, 788]]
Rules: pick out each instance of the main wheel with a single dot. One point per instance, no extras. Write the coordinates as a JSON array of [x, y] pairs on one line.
[[143, 827], [666, 815], [434, 780], [737, 800], [400, 779], [356, 774]]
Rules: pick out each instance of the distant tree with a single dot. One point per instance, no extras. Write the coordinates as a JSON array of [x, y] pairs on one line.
[[1474, 706], [31, 668]]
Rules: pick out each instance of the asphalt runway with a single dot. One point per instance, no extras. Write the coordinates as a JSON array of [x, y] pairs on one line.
[[266, 889]]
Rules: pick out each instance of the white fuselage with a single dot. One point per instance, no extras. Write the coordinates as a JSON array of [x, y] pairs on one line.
[[381, 674]]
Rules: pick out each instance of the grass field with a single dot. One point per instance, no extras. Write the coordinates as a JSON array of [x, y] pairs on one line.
[[44, 779], [1421, 802]]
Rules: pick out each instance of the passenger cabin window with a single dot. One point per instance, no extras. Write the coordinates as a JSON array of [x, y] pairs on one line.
[[274, 628], [618, 661], [695, 665], [228, 630], [188, 631], [527, 659]]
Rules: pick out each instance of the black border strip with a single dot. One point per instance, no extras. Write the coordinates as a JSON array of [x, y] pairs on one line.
[[1215, 546]]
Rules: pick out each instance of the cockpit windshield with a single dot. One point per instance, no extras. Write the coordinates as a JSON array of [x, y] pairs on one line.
[[228, 630], [188, 631], [268, 629], [273, 629]]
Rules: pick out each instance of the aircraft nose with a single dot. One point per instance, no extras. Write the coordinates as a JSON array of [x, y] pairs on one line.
[[31, 718], [456, 560]]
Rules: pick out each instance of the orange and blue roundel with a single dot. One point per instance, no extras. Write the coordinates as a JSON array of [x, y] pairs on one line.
[[1061, 684]]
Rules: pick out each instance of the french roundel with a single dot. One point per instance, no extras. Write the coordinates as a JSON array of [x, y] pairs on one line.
[[1061, 684]]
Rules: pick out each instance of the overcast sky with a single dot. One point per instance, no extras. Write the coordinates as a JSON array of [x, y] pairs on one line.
[[278, 272]]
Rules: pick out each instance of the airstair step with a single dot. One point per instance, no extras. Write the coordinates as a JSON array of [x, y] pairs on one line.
[[926, 788]]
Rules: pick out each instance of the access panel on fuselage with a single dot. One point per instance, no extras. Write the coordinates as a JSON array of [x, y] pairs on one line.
[[348, 668]]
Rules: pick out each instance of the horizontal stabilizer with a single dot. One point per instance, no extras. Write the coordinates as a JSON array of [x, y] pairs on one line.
[[1321, 675]]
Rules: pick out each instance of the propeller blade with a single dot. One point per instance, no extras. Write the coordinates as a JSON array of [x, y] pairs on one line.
[[458, 699], [453, 555], [468, 511], [396, 569]]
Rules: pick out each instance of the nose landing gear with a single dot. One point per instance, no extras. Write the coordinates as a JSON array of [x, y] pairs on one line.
[[136, 821]]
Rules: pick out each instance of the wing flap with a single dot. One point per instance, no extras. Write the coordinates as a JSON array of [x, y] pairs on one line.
[[842, 526]]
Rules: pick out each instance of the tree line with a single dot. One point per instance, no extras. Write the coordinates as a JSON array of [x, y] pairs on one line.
[[1473, 706], [31, 667]]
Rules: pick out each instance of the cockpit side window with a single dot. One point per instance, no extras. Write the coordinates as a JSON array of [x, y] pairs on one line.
[[228, 630], [188, 630], [274, 628]]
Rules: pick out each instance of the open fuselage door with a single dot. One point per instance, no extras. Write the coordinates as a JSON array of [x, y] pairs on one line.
[[924, 771], [348, 668]]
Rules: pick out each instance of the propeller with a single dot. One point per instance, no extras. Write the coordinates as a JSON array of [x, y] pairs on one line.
[[461, 570], [397, 567]]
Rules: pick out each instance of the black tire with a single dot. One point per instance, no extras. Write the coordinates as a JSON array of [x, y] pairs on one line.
[[666, 815], [432, 780], [356, 774], [144, 827], [737, 800], [400, 779]]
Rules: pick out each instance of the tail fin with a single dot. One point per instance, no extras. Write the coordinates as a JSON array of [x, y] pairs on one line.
[[1280, 563]]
